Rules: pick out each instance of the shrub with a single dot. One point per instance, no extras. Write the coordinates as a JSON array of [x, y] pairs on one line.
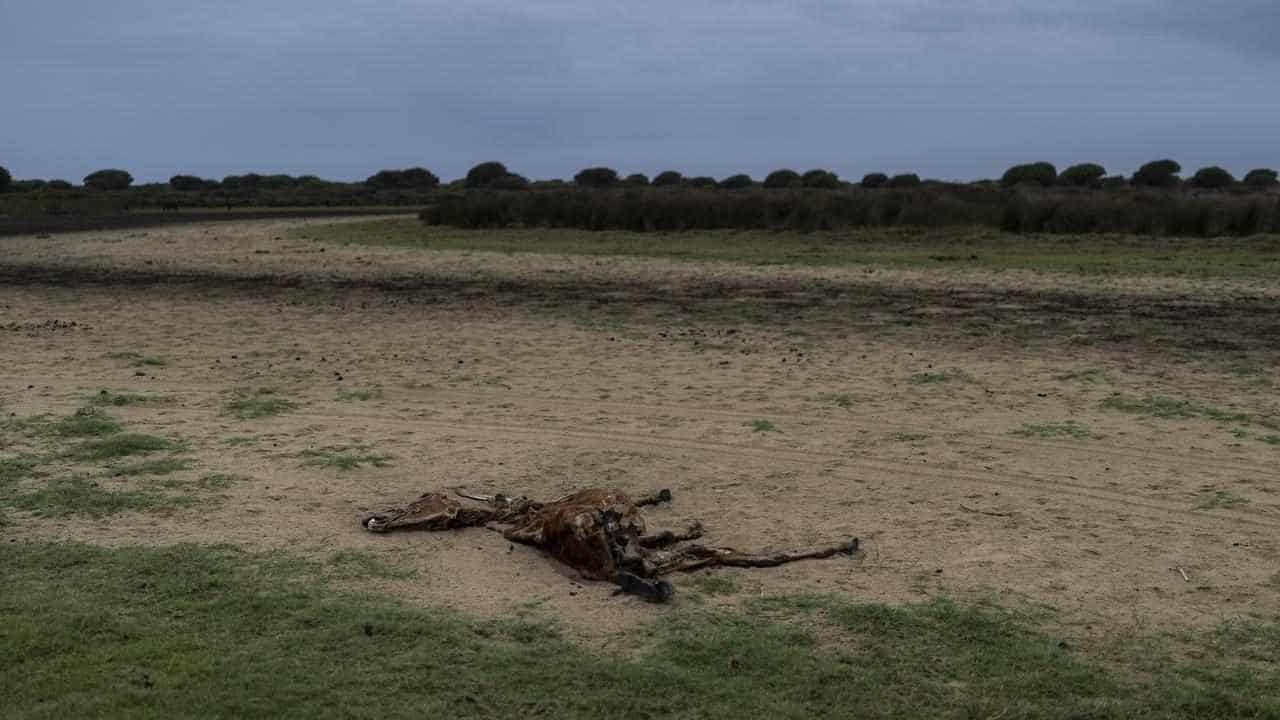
[[874, 180], [668, 178], [636, 180], [1114, 182], [5, 178], [59, 185], [905, 180], [737, 182], [701, 181], [510, 181], [409, 178], [186, 183], [1037, 173], [782, 179], [820, 179], [246, 183], [110, 179], [596, 177], [1160, 173], [485, 174], [1259, 178], [1212, 178], [1083, 175]]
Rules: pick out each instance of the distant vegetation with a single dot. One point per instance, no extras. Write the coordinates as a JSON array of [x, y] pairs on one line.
[[1029, 197]]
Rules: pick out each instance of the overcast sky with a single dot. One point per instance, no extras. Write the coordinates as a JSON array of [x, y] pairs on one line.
[[954, 89]]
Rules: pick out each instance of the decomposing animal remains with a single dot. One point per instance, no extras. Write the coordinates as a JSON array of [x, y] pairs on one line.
[[600, 532]]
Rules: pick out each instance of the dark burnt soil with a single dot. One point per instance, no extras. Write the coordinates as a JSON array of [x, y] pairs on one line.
[[1216, 325]]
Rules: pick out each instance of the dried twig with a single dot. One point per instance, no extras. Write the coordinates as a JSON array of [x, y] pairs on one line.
[[1184, 575]]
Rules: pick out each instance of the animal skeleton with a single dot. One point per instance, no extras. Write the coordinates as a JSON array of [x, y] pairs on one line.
[[600, 532]]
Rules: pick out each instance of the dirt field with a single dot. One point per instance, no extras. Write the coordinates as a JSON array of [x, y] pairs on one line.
[[1106, 448]]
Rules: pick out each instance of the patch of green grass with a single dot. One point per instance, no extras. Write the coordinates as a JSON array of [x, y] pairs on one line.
[[119, 446], [349, 564], [712, 584], [1270, 439], [140, 360], [344, 457], [1164, 407], [110, 399], [763, 426], [940, 377], [14, 469], [1087, 375], [76, 495], [903, 247], [909, 437], [165, 466], [249, 405], [1221, 498], [86, 422], [361, 395], [192, 631], [239, 440], [219, 481], [840, 401], [1051, 430]]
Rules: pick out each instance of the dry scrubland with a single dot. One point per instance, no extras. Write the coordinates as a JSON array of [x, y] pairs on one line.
[[1060, 454]]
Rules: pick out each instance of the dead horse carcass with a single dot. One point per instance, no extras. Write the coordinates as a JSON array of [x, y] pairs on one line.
[[600, 532]]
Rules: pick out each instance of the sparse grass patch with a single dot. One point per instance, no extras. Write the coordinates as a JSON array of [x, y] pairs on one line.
[[1051, 430], [712, 584], [139, 360], [840, 401], [248, 405], [81, 496], [361, 395], [344, 457], [349, 564], [1270, 439], [953, 374], [219, 481], [13, 469], [110, 399], [119, 446], [1164, 407], [1086, 375], [195, 631], [910, 437], [763, 426], [1221, 498], [86, 422], [165, 466], [239, 440]]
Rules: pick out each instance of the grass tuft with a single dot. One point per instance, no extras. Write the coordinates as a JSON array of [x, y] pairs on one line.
[[344, 457], [249, 405], [1051, 430], [762, 426], [119, 446], [140, 360]]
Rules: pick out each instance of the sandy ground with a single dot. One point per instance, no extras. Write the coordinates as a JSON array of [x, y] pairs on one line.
[[539, 374]]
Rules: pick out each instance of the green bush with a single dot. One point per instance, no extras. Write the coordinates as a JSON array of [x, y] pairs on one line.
[[905, 180], [1212, 178], [668, 178], [1083, 175], [485, 174], [737, 182], [1037, 173], [782, 179], [510, 181], [596, 177], [874, 180], [109, 179], [1160, 173], [701, 181], [59, 185], [820, 179], [5, 179], [636, 180], [186, 183], [1261, 178], [415, 177], [1113, 182]]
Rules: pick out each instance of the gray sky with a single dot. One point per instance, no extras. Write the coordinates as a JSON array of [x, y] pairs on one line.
[[954, 89]]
